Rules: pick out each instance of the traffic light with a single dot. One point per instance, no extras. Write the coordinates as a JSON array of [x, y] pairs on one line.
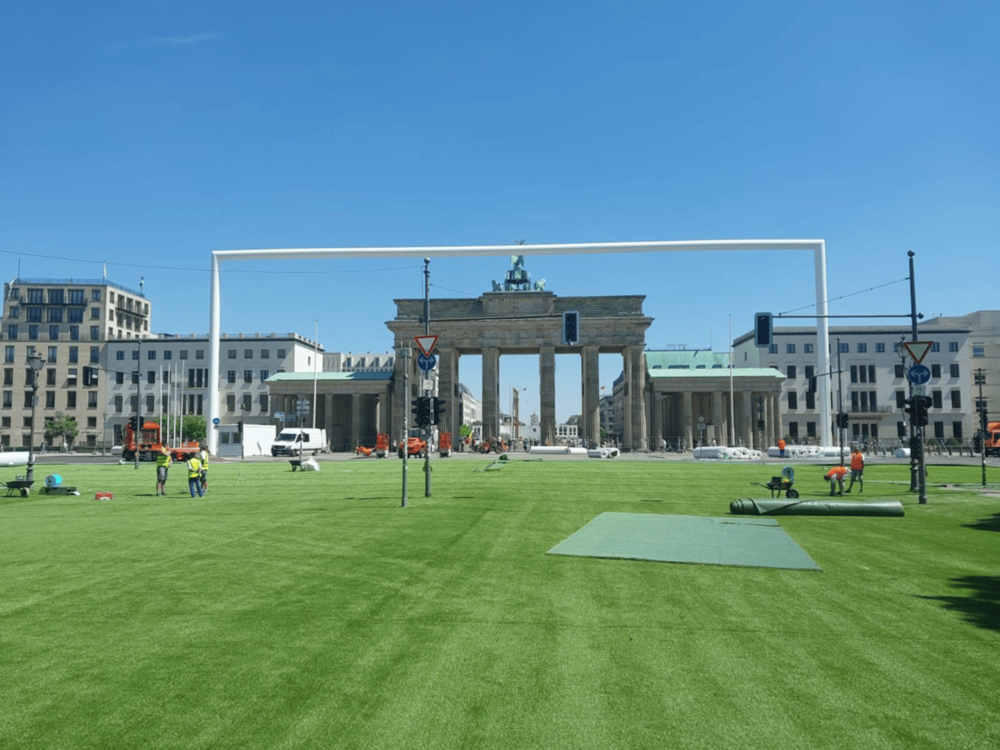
[[437, 410], [240, 425], [843, 419], [922, 404], [760, 424], [916, 448], [762, 323], [421, 411], [571, 328]]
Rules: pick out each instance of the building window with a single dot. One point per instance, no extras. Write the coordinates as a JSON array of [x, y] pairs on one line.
[[91, 423], [791, 372], [956, 429], [183, 354], [135, 354], [55, 315], [33, 333], [74, 355], [151, 354], [978, 351], [952, 346], [95, 313], [862, 347], [12, 332], [14, 312], [810, 400], [935, 371], [264, 375], [74, 333], [248, 403], [263, 403], [168, 354], [956, 399], [793, 400], [936, 399], [91, 399], [811, 429], [50, 376], [248, 376], [8, 399], [807, 348], [772, 349], [880, 348], [53, 333], [151, 377], [8, 376], [118, 404], [95, 355], [134, 378], [789, 348], [74, 315], [76, 297], [871, 373], [70, 399], [936, 346], [265, 353], [231, 403], [150, 404], [199, 354], [231, 376], [281, 353], [845, 348], [50, 399], [8, 354], [899, 371], [119, 355], [34, 315], [248, 354], [900, 399], [939, 430], [232, 354], [95, 296], [953, 369]]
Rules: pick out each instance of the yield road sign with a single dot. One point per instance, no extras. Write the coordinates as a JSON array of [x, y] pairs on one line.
[[919, 374], [918, 349], [426, 343], [427, 363]]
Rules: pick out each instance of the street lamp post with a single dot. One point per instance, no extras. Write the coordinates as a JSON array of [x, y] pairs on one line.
[[35, 363]]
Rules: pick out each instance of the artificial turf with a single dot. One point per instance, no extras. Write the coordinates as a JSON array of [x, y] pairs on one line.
[[310, 610]]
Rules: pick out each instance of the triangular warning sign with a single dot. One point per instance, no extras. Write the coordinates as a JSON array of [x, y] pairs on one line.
[[918, 349], [426, 343]]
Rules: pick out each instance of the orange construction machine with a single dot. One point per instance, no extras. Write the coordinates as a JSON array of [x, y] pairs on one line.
[[992, 445], [149, 444]]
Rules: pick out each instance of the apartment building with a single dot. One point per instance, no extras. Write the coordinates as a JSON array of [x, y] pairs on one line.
[[67, 322], [867, 375]]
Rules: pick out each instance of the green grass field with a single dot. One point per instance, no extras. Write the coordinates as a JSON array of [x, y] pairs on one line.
[[310, 610]]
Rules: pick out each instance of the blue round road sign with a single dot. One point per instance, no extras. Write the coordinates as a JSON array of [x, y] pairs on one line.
[[216, 421], [919, 374], [427, 363]]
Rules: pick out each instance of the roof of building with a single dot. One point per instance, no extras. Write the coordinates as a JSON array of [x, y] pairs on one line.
[[694, 359], [738, 372], [329, 376]]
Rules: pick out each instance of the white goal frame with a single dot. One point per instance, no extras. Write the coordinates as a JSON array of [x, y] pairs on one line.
[[818, 248]]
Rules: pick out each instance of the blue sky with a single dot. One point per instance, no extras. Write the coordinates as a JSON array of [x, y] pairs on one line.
[[147, 135]]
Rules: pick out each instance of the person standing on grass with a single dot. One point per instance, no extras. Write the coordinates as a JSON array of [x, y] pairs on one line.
[[857, 469], [163, 462], [203, 457], [836, 479], [194, 475]]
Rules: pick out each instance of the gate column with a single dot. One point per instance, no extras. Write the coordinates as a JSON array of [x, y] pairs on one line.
[[590, 367], [547, 393], [491, 406]]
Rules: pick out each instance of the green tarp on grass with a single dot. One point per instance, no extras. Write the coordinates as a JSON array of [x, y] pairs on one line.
[[750, 542]]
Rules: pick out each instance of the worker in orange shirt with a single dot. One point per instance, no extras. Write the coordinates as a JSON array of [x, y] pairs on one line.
[[781, 447], [857, 469], [836, 479]]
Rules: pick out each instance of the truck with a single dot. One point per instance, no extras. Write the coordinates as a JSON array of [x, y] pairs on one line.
[[415, 446], [992, 445], [150, 443], [294, 440]]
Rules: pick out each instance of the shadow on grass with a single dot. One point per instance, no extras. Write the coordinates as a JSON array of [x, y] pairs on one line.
[[987, 524], [982, 607]]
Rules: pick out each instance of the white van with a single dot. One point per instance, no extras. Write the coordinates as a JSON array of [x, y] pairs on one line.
[[292, 439]]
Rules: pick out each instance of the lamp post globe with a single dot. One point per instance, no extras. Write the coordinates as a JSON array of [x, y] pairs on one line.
[[35, 364]]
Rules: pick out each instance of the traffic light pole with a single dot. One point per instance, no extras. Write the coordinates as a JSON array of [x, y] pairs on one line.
[[840, 404], [921, 471], [983, 420], [404, 354], [427, 391]]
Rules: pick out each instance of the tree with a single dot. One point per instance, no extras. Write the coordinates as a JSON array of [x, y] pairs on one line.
[[61, 427], [195, 426], [464, 431]]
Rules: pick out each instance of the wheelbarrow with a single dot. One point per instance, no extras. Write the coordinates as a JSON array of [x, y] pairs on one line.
[[783, 483], [20, 485]]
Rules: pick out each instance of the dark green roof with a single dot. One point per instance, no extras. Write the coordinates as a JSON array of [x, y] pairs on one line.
[[327, 377], [700, 363]]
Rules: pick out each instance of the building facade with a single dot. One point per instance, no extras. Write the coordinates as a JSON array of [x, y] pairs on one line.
[[868, 378], [68, 322]]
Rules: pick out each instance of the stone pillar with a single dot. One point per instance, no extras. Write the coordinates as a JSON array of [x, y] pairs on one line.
[[719, 418], [547, 394], [687, 418], [448, 390], [748, 423], [328, 416], [491, 406], [637, 405], [591, 373], [657, 403], [400, 399], [377, 421], [779, 428], [355, 420]]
